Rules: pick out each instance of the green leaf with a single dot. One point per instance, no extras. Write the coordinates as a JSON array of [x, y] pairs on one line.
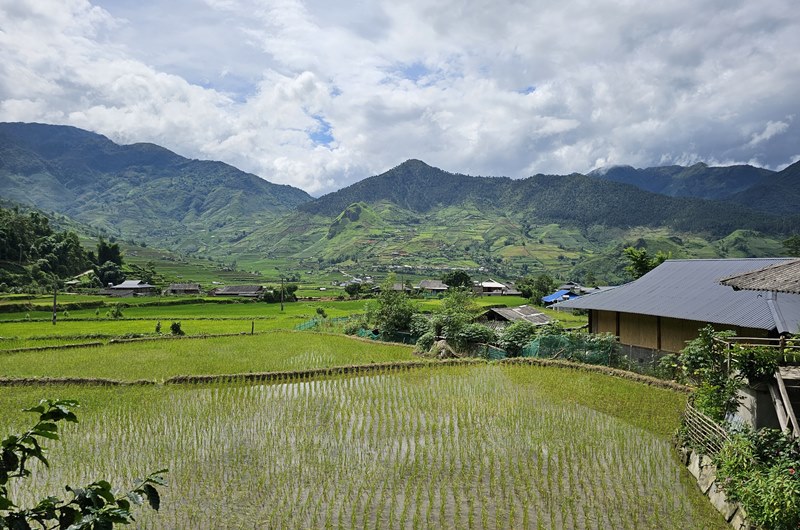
[[6, 504], [135, 498], [152, 496], [67, 517]]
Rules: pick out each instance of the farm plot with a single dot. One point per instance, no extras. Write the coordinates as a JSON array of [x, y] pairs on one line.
[[459, 447], [160, 359]]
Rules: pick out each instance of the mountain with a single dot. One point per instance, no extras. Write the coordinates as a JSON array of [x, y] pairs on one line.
[[140, 190], [422, 217], [699, 180], [413, 216], [576, 200], [777, 194]]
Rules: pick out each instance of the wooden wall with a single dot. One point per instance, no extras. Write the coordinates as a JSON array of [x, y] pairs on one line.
[[665, 334]]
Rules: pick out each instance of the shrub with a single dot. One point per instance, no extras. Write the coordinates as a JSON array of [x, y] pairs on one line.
[[95, 506], [425, 342], [761, 470], [175, 329], [474, 334], [115, 311], [755, 363], [516, 336]]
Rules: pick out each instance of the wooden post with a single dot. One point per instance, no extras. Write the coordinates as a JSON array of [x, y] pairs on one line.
[[281, 293], [55, 301], [252, 327]]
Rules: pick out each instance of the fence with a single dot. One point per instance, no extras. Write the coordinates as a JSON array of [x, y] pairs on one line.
[[703, 433], [314, 322]]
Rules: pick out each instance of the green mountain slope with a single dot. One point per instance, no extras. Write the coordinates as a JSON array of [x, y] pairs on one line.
[[413, 216], [777, 194], [420, 217], [699, 180], [140, 190]]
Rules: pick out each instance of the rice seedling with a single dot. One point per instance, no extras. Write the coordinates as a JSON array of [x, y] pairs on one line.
[[458, 447], [277, 351]]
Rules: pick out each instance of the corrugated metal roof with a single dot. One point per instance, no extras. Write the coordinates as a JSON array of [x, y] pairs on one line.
[[132, 284], [690, 290], [781, 278], [433, 285], [525, 312], [555, 296]]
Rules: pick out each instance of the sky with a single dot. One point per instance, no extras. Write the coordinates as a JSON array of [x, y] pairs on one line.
[[320, 93]]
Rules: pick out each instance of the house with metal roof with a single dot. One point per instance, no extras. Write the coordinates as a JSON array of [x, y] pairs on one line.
[[131, 288], [513, 314], [183, 288], [432, 286], [663, 309], [247, 291]]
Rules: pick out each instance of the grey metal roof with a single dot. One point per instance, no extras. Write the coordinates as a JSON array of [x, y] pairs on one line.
[[434, 285], [132, 284], [781, 278], [523, 312], [690, 290]]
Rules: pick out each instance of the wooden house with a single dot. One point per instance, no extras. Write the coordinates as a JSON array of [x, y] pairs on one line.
[[664, 309], [183, 288]]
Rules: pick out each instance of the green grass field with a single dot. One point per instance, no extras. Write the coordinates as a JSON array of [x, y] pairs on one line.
[[161, 359], [462, 447], [202, 317]]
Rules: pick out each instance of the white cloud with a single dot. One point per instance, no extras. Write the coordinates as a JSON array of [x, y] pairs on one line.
[[510, 88], [771, 129]]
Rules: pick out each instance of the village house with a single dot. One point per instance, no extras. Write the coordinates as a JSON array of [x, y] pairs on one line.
[[183, 288], [664, 309], [432, 286], [130, 288], [513, 314], [246, 291]]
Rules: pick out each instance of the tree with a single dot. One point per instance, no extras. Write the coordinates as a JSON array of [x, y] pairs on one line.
[[640, 263], [110, 273], [92, 507], [457, 279], [792, 245], [391, 310], [535, 288], [108, 252], [353, 289]]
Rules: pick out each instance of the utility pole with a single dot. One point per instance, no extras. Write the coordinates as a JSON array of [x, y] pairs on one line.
[[55, 300], [281, 293]]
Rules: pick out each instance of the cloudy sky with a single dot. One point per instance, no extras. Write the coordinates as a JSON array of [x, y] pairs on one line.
[[320, 93]]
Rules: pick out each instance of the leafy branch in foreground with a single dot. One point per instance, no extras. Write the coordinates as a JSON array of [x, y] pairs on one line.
[[93, 507]]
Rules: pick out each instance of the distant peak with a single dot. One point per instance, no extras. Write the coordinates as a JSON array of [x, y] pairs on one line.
[[414, 163]]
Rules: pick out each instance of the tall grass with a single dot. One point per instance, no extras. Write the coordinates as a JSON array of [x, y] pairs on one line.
[[477, 447]]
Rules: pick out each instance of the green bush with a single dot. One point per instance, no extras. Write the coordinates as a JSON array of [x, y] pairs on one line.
[[474, 334], [761, 470], [756, 363], [425, 342], [175, 329], [516, 336]]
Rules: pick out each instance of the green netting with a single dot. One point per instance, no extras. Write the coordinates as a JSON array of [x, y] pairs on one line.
[[367, 334], [307, 325], [494, 353], [582, 347]]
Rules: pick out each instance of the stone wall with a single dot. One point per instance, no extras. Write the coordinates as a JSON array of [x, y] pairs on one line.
[[703, 470]]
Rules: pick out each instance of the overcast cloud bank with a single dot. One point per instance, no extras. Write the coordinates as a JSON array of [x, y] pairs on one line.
[[319, 95]]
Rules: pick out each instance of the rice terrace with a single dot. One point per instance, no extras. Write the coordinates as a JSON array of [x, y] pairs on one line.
[[319, 430]]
